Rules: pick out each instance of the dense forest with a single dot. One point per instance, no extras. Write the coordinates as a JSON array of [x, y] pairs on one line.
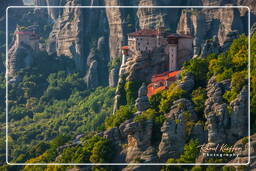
[[54, 118]]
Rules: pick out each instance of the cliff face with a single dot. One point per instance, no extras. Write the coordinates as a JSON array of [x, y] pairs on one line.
[[206, 23], [73, 28], [65, 38], [76, 34], [12, 24]]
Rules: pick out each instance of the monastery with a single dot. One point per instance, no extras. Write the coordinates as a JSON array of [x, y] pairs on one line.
[[177, 46], [27, 36]]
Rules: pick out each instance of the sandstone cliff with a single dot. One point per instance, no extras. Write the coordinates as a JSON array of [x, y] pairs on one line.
[[73, 28]]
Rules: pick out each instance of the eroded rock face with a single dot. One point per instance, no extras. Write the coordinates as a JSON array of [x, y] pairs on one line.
[[225, 126], [239, 116], [113, 77], [65, 38], [215, 113], [142, 102], [135, 138], [176, 129], [210, 46], [188, 83], [20, 56], [204, 24], [142, 66], [230, 37], [74, 35], [243, 154]]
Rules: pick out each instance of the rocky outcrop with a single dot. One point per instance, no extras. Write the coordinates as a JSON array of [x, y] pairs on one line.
[[239, 116], [113, 77], [225, 126], [20, 56], [242, 155], [215, 113], [138, 135], [135, 140], [142, 102], [253, 29], [177, 129], [203, 24], [141, 66], [116, 34], [230, 37], [210, 46], [66, 36], [74, 35], [187, 83]]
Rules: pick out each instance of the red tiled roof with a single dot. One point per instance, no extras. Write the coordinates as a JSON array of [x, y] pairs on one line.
[[164, 76], [161, 79], [125, 47], [144, 33]]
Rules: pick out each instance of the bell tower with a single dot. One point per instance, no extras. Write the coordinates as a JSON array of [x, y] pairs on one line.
[[172, 50]]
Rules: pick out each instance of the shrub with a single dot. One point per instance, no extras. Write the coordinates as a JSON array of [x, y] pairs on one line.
[[131, 89], [154, 100], [122, 114], [169, 96], [102, 152], [199, 68], [238, 81], [228, 168], [146, 115], [198, 98], [191, 151]]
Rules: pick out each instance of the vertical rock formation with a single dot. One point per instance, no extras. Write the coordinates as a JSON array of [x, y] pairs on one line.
[[20, 56], [205, 23], [225, 126], [176, 129], [210, 46], [216, 113], [66, 37], [239, 116], [76, 34], [142, 102]]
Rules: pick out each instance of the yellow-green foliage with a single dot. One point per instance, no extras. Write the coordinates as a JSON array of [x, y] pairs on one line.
[[198, 98], [169, 96], [122, 114], [131, 89], [228, 168], [191, 151], [146, 115], [188, 124], [44, 158], [155, 99], [199, 68], [238, 80]]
